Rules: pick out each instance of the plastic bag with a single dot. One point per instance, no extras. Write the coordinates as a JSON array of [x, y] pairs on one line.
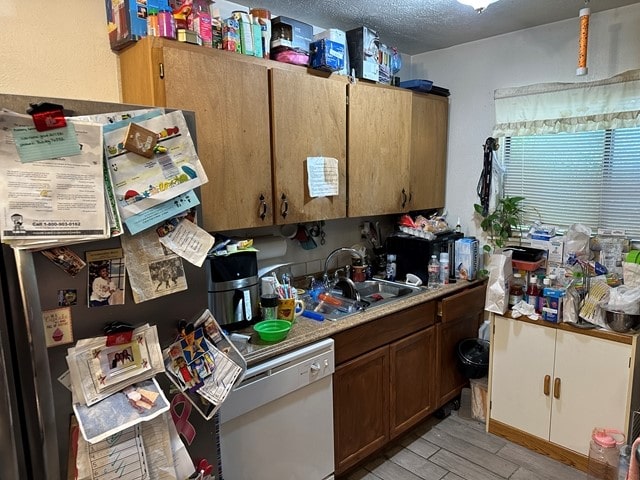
[[500, 271], [624, 299], [577, 241], [631, 274]]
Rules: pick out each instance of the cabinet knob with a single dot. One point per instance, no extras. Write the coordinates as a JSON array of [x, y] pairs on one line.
[[263, 207], [547, 385], [404, 198], [556, 388], [284, 206]]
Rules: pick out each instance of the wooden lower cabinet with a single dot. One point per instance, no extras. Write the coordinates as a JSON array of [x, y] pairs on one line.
[[361, 407], [384, 382], [381, 394], [461, 314], [395, 371], [413, 392]]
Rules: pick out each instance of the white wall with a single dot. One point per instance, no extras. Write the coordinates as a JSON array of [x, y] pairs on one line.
[[57, 49], [543, 54]]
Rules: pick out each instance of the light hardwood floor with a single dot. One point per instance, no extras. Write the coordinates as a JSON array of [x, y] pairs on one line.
[[457, 448]]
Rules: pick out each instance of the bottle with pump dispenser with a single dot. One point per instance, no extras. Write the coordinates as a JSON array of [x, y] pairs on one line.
[[391, 267], [433, 270]]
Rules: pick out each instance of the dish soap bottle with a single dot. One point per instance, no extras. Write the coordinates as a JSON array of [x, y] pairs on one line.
[[391, 267]]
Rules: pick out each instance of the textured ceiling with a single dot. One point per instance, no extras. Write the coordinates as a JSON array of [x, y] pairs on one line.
[[417, 26]]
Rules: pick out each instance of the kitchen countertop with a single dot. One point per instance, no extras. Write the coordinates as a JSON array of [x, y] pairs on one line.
[[306, 331], [604, 333]]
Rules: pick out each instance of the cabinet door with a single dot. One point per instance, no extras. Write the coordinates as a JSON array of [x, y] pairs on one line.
[[460, 315], [379, 149], [451, 380], [309, 119], [231, 101], [429, 130], [522, 356], [360, 407], [593, 377], [412, 363]]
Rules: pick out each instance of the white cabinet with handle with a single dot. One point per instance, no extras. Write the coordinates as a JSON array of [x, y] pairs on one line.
[[550, 386]]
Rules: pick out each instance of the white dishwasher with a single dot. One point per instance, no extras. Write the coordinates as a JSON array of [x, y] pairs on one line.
[[277, 424]]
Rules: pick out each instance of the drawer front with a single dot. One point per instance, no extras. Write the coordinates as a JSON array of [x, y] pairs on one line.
[[466, 303], [381, 331]]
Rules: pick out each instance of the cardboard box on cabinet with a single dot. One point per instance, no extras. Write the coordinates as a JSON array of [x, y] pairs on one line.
[[290, 34], [364, 49], [126, 22], [327, 55]]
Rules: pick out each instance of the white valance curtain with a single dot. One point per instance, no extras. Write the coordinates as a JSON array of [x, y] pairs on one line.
[[569, 107]]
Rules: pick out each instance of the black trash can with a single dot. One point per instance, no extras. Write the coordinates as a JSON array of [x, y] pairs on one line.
[[473, 357]]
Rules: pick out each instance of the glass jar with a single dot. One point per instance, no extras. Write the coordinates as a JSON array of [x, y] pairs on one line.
[[269, 306]]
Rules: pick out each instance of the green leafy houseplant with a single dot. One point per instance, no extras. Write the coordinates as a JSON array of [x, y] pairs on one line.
[[501, 222]]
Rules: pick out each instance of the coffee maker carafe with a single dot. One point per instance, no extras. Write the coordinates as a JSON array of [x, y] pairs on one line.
[[233, 289]]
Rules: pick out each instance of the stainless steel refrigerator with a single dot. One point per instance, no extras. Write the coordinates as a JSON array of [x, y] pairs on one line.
[[35, 407]]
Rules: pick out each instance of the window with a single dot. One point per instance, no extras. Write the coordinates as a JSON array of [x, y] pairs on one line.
[[590, 177]]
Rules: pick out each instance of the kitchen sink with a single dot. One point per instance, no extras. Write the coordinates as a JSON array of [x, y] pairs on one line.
[[375, 291], [372, 294]]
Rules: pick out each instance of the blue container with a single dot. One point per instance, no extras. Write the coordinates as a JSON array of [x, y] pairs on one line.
[[552, 310], [423, 86], [327, 55]]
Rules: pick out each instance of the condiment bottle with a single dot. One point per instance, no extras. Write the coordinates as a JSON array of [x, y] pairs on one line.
[[546, 282], [533, 292], [516, 289]]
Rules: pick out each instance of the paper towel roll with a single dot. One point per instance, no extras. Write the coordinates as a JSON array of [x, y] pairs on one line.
[[270, 247]]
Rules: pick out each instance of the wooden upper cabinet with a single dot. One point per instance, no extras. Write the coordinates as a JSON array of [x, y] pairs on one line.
[[429, 129], [230, 97], [308, 119], [379, 149]]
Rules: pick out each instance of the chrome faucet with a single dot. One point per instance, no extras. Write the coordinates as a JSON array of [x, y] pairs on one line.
[[325, 276]]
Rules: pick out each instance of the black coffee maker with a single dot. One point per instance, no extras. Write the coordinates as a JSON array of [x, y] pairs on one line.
[[233, 289]]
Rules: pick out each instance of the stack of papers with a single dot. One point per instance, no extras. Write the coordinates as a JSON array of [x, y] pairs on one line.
[[204, 365], [97, 370], [51, 190]]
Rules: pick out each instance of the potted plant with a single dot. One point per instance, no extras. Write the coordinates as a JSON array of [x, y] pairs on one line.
[[501, 222]]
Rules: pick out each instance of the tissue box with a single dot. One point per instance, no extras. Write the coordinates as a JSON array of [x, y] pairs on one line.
[[553, 246], [364, 48], [466, 256], [327, 55], [291, 34], [126, 22]]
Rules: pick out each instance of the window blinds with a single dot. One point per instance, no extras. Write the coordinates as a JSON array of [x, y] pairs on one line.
[[587, 177]]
